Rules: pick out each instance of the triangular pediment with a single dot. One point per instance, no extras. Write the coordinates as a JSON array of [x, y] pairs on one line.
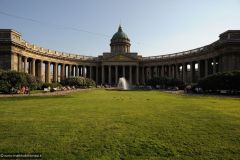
[[120, 57]]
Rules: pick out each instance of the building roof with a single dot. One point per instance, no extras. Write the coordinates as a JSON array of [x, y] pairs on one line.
[[120, 34]]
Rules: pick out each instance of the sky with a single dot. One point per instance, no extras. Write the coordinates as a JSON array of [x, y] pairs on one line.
[[155, 27]]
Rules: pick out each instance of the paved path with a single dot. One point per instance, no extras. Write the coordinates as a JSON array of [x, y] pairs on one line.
[[57, 93]]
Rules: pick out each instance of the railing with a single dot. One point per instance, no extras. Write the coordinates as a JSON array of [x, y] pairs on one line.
[[52, 52], [82, 57], [192, 51]]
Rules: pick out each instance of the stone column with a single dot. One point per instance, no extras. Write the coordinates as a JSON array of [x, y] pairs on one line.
[[174, 71], [84, 70], [199, 70], [149, 72], [123, 68], [63, 72], [40, 70], [25, 65], [170, 71], [48, 66], [19, 63], [81, 71], [90, 72], [137, 75], [168, 67], [158, 71], [109, 75], [214, 66], [143, 75], [77, 70], [13, 61], [155, 71], [116, 75], [191, 72], [184, 68], [103, 78], [55, 72], [177, 71], [74, 71], [96, 74], [206, 68], [69, 70], [220, 64], [162, 71], [130, 74], [33, 67]]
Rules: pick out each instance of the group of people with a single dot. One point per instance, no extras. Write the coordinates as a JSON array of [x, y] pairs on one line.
[[20, 90]]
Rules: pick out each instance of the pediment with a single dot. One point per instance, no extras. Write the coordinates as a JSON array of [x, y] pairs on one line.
[[120, 57]]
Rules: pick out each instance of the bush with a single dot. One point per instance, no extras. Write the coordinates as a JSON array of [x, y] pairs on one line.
[[33, 82], [9, 79], [90, 82], [221, 81], [79, 82], [165, 82]]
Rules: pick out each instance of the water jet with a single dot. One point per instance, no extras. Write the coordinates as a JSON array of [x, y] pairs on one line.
[[123, 84]]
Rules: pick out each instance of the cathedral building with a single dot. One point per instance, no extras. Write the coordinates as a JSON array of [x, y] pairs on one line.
[[189, 66]]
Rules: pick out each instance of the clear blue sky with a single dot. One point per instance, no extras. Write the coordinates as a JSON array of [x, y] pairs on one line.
[[154, 26]]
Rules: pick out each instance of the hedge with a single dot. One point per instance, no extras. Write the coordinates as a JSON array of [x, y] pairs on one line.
[[221, 81], [165, 82], [79, 82], [9, 79]]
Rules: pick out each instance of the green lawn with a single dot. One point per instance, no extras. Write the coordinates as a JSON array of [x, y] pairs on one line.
[[101, 124]]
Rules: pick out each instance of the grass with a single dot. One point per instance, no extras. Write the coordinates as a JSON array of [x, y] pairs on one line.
[[37, 91], [100, 124]]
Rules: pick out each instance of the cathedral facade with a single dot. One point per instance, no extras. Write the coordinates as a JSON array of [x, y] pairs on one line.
[[189, 66]]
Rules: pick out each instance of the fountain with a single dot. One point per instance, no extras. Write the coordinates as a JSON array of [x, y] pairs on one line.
[[122, 84]]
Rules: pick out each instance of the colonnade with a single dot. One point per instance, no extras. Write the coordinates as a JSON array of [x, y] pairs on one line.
[[53, 66], [110, 74], [52, 71], [188, 72]]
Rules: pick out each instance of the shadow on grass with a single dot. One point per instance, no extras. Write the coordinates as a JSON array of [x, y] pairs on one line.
[[130, 90], [32, 97]]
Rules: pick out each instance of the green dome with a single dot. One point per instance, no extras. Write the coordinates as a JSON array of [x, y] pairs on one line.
[[120, 34]]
